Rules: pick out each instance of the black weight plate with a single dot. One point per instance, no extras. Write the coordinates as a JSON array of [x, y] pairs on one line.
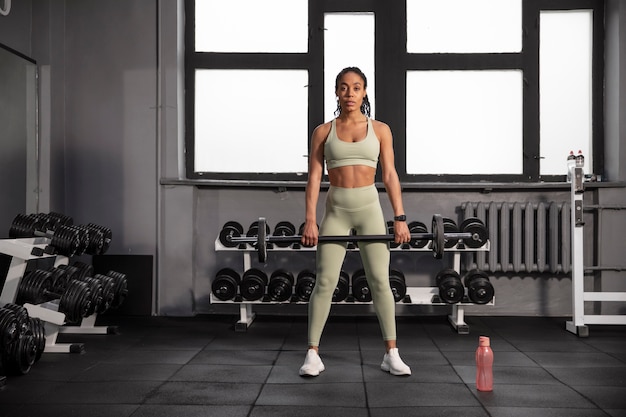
[[438, 236], [451, 288], [230, 229], [343, 287], [253, 283], [416, 227], [284, 228], [449, 226], [225, 284], [304, 285], [280, 287], [398, 284], [479, 233], [479, 288], [360, 288]]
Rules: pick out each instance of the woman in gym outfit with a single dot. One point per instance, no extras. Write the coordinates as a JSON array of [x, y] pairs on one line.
[[352, 145]]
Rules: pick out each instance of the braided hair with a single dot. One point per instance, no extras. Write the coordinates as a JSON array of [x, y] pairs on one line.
[[365, 106]]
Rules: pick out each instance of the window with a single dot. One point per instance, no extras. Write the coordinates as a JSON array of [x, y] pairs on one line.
[[565, 77], [473, 90]]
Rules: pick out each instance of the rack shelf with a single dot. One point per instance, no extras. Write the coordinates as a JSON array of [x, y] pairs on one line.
[[414, 295]]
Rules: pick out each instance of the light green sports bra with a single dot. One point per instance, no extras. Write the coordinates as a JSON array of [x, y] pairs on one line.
[[339, 153]]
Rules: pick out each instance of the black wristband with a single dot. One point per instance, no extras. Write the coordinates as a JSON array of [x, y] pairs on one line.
[[400, 218]]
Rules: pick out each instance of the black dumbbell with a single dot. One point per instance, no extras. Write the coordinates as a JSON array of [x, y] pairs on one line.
[[360, 288], [398, 284], [66, 238], [284, 228], [343, 287], [75, 301], [225, 284], [230, 229], [305, 282], [416, 227], [280, 287], [450, 226], [479, 288], [476, 228], [18, 348], [253, 231], [451, 288], [253, 284]]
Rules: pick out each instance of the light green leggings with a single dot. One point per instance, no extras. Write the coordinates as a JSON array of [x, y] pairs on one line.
[[346, 209]]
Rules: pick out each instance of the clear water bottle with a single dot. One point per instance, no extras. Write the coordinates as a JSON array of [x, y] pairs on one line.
[[571, 163], [484, 365]]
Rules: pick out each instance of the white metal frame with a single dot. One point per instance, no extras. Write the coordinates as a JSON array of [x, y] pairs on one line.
[[580, 320]]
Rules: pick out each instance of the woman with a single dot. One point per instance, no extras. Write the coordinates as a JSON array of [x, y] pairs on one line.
[[352, 144]]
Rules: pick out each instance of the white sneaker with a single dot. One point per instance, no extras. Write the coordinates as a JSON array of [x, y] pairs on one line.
[[312, 364], [393, 364]]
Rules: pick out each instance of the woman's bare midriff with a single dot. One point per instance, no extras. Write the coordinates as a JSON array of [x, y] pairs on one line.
[[352, 176]]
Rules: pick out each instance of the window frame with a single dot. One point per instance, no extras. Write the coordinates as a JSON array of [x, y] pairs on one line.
[[392, 63]]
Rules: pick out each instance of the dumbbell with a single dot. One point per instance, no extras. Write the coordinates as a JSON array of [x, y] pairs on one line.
[[253, 232], [225, 284], [417, 228], [284, 228], [280, 287], [479, 288], [253, 284], [27, 325], [22, 339], [343, 287], [120, 289], [360, 288], [451, 288], [74, 302], [305, 282], [108, 290], [398, 284], [362, 292], [230, 229], [449, 228], [66, 238]]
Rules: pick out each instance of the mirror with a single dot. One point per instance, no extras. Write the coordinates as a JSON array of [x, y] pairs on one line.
[[18, 137]]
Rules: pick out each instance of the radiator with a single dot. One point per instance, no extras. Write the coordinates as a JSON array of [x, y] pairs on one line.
[[524, 236]]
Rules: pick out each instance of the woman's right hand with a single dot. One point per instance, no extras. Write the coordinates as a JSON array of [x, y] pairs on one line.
[[310, 234]]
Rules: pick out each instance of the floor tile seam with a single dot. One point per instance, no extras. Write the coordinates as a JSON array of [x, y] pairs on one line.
[[362, 362], [598, 406]]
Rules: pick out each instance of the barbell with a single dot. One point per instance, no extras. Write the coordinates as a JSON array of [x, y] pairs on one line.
[[473, 234]]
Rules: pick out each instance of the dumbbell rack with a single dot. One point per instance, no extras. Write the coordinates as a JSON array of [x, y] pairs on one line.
[[414, 295], [23, 250]]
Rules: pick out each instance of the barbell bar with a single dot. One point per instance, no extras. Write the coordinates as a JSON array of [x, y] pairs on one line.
[[474, 235]]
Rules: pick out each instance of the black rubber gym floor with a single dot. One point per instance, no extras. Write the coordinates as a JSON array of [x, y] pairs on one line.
[[159, 366]]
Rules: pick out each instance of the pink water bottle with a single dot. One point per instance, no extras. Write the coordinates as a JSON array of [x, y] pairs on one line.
[[484, 365]]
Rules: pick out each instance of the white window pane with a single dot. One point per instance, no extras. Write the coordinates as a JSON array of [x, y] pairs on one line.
[[251, 121], [339, 27], [464, 26], [464, 122], [565, 88], [252, 26]]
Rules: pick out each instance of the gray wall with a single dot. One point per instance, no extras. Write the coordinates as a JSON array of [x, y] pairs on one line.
[[115, 140]]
